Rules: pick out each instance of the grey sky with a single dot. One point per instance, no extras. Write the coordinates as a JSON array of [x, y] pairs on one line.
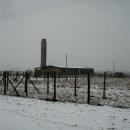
[[93, 33]]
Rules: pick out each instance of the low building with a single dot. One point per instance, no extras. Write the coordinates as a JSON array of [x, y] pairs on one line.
[[40, 71]]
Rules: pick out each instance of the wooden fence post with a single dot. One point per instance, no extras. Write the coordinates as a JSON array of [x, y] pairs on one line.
[[88, 88], [54, 87], [104, 87], [7, 80], [75, 86], [26, 84], [4, 81], [47, 83]]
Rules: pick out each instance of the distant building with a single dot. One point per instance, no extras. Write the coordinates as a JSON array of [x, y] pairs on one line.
[[39, 71]]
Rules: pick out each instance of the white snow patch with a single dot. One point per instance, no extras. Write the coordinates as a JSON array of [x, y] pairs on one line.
[[31, 114]]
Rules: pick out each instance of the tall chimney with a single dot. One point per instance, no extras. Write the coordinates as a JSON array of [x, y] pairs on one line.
[[43, 52]]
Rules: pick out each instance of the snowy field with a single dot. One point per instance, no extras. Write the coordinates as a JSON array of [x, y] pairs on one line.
[[31, 114], [117, 91]]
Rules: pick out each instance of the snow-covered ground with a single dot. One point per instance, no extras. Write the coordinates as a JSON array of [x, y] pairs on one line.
[[31, 114]]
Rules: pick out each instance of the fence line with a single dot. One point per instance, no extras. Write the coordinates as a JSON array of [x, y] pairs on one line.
[[54, 87]]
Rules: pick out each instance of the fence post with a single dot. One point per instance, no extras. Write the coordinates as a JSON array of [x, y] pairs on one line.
[[26, 84], [16, 77], [4, 81], [75, 86], [104, 87], [54, 87], [7, 80], [47, 83], [88, 88]]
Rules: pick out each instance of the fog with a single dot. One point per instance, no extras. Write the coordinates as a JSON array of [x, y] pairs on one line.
[[93, 33]]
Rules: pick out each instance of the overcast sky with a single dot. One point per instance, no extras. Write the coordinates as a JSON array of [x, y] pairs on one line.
[[93, 33]]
